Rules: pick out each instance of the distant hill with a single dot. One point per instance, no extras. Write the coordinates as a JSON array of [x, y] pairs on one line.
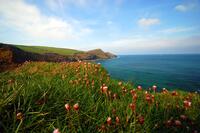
[[10, 53], [43, 50]]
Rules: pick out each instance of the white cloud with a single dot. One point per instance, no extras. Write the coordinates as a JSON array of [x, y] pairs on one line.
[[61, 4], [148, 21], [185, 7], [151, 45], [28, 19], [177, 29], [57, 4]]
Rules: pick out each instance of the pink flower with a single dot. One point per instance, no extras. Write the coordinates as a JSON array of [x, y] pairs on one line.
[[104, 89], [177, 123], [132, 92], [164, 91], [76, 107], [135, 97], [139, 88], [154, 88], [141, 120], [174, 93], [183, 117], [115, 96], [67, 107], [56, 130], [117, 120], [187, 104], [132, 106], [109, 121]]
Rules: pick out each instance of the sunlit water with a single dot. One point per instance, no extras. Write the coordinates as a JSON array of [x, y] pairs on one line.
[[165, 71]]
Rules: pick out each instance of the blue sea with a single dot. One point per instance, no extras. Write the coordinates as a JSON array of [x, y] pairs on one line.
[[165, 71]]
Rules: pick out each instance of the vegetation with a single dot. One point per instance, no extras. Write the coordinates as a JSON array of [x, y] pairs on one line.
[[81, 97], [43, 49]]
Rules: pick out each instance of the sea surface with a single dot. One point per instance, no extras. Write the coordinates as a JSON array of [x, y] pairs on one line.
[[165, 71]]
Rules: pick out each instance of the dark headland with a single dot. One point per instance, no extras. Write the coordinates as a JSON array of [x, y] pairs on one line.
[[15, 54]]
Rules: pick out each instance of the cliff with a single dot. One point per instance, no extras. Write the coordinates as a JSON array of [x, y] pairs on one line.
[[15, 54]]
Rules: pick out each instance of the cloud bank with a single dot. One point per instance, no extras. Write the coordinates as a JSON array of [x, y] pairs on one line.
[[145, 22], [186, 7], [28, 19]]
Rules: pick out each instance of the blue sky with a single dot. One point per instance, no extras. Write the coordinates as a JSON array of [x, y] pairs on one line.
[[119, 26]]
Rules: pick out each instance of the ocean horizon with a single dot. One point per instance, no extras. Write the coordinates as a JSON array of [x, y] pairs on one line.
[[171, 71]]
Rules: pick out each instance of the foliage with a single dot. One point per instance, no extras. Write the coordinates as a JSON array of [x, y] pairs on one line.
[[41, 97]]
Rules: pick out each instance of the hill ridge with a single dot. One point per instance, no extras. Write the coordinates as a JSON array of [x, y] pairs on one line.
[[10, 53]]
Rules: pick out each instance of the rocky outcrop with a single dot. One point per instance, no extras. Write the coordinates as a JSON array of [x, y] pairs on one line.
[[94, 54]]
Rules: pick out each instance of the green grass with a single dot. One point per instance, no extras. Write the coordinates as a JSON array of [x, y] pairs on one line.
[[43, 49], [39, 91]]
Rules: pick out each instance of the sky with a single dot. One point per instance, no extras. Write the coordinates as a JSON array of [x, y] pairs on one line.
[[118, 26]]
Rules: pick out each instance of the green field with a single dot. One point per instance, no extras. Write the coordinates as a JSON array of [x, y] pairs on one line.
[[43, 49], [33, 99]]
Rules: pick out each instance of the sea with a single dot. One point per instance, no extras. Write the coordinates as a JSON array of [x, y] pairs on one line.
[[181, 72]]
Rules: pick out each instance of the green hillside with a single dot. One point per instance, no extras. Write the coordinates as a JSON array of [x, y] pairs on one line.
[[40, 97], [43, 49]]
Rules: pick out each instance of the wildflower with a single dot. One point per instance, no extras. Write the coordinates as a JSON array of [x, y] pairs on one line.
[[141, 120], [135, 97], [164, 91], [76, 107], [148, 98], [117, 120], [132, 106], [56, 130], [177, 123], [109, 121], [183, 117], [124, 90], [67, 107], [174, 93], [115, 96], [187, 104], [104, 89], [132, 92], [120, 83], [139, 88], [154, 88], [168, 123], [19, 116]]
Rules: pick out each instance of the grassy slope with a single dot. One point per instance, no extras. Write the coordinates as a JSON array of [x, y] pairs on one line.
[[40, 91], [43, 49]]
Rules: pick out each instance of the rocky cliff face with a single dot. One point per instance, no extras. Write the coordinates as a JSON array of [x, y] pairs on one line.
[[11, 54]]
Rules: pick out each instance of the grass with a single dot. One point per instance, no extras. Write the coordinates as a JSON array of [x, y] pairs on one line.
[[43, 49], [33, 99]]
